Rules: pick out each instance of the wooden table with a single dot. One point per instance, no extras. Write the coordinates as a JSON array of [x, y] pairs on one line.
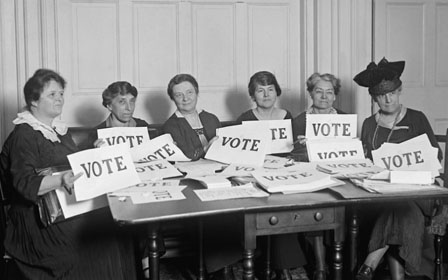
[[275, 214]]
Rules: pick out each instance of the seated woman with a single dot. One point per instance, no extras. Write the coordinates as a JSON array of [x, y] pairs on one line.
[[323, 89], [399, 229], [119, 98], [88, 246], [194, 131], [264, 89]]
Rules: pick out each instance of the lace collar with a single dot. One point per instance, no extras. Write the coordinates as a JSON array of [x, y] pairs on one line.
[[50, 133]]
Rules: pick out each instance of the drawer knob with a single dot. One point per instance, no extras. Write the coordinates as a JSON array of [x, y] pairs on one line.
[[318, 216], [273, 220]]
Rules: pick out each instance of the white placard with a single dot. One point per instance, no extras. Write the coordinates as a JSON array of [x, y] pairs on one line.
[[133, 136], [414, 154], [70, 207], [340, 149], [247, 190], [411, 177], [320, 126], [161, 147], [239, 170], [104, 170], [281, 135], [156, 170], [241, 144], [158, 194]]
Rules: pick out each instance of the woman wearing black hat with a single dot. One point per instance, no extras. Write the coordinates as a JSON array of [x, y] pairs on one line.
[[399, 229]]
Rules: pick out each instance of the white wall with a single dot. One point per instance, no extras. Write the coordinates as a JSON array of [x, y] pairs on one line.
[[93, 43]]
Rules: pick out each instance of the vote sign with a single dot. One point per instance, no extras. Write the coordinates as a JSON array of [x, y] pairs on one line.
[[156, 169], [161, 147], [322, 150], [281, 135], [104, 170], [133, 136], [319, 126]]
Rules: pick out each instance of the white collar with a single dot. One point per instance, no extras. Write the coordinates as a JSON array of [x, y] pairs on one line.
[[50, 133]]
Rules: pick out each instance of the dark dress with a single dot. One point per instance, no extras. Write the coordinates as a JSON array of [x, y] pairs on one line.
[[285, 248], [185, 136], [88, 246], [298, 128], [403, 223]]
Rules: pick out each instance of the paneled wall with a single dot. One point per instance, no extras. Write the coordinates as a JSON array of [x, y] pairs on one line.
[[146, 42]]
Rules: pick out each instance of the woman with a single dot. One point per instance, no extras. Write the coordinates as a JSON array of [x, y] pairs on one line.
[[83, 247], [119, 98], [323, 89], [192, 130], [264, 89], [399, 230]]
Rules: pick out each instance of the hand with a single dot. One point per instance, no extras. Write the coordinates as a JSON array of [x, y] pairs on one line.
[[99, 143], [210, 143], [68, 179], [301, 139]]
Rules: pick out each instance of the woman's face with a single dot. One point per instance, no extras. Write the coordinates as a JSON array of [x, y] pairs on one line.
[[50, 102], [265, 96], [122, 107], [323, 95], [185, 97], [389, 103]]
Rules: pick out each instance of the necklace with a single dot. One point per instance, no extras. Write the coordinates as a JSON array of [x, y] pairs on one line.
[[375, 134]]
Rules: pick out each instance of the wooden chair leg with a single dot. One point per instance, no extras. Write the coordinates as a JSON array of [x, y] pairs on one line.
[[438, 273]]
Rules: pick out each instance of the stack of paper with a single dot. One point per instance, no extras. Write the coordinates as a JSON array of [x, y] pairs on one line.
[[293, 182], [383, 186], [357, 168], [213, 181]]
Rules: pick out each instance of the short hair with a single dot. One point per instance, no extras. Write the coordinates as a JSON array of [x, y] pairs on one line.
[[316, 77], [118, 88], [36, 84], [180, 78], [263, 78]]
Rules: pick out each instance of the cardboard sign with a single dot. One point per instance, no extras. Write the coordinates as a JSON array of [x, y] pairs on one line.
[[414, 154], [281, 135], [134, 136], [320, 126], [158, 194], [71, 207], [239, 170], [104, 170], [358, 168], [161, 147], [321, 150], [156, 170], [241, 144]]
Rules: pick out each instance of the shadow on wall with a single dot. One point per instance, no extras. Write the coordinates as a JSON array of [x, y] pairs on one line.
[[159, 107], [89, 115], [237, 103]]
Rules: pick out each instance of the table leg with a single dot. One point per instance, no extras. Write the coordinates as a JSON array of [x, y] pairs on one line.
[[201, 272], [354, 232], [250, 244], [154, 253], [337, 260], [248, 264]]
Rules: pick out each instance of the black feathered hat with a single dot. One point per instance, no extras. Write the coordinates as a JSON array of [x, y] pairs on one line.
[[381, 78]]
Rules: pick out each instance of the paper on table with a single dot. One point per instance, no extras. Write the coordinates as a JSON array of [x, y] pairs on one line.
[[161, 147], [242, 191], [145, 186], [201, 167], [104, 170], [133, 136], [385, 187], [158, 194], [358, 168], [156, 170], [334, 149], [239, 170], [213, 181], [241, 144], [411, 177], [281, 135], [276, 162]]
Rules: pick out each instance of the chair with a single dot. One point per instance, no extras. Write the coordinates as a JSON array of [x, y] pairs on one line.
[[438, 239]]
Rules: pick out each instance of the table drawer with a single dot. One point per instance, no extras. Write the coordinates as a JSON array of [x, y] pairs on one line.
[[294, 218]]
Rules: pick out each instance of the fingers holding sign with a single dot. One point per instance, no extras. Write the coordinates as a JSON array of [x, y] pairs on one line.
[[301, 139], [68, 179]]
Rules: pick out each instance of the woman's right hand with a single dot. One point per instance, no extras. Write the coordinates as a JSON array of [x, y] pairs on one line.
[[99, 143], [68, 179]]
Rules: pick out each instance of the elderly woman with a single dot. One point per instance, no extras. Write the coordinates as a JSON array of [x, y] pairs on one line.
[[264, 90], [83, 247], [399, 229], [323, 89], [193, 131], [119, 98]]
